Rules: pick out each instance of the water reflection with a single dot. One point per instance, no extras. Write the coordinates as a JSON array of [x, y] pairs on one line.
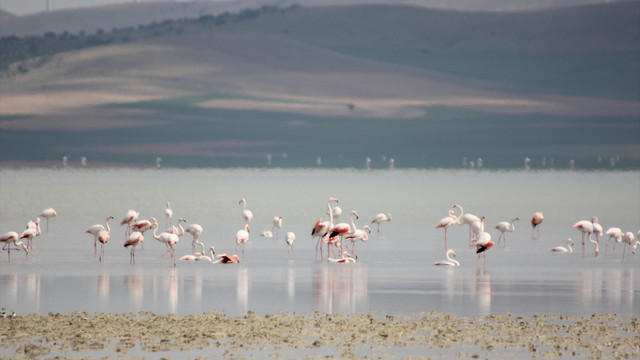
[[102, 282], [340, 289], [134, 284], [483, 290], [242, 290], [610, 289]]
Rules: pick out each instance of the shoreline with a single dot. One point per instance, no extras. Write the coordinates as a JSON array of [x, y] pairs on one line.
[[80, 334]]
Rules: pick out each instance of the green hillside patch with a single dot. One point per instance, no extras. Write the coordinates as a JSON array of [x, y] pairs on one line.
[[607, 74]]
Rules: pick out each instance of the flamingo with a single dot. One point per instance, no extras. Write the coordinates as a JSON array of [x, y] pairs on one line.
[[266, 233], [48, 213], [357, 235], [483, 243], [130, 217], [505, 226], [586, 227], [95, 229], [277, 225], [596, 244], [164, 238], [477, 227], [597, 228], [445, 222], [627, 238], [178, 230], [12, 237], [195, 230], [134, 240], [103, 238], [242, 236], [449, 261], [536, 220], [227, 259], [380, 218], [635, 245], [321, 228], [614, 233], [30, 233], [467, 219], [143, 225], [342, 229], [336, 212], [200, 256], [346, 258], [247, 215], [168, 214], [290, 237], [569, 247]]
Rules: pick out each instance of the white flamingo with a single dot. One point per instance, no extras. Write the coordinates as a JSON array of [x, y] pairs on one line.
[[247, 215], [568, 249], [95, 229], [449, 261], [504, 227]]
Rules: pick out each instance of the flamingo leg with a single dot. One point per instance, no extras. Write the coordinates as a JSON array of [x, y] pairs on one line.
[[445, 238]]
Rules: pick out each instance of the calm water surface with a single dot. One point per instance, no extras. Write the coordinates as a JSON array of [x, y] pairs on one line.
[[394, 272]]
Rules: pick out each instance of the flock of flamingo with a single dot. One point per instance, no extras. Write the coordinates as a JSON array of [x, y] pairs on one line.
[[482, 240], [328, 233]]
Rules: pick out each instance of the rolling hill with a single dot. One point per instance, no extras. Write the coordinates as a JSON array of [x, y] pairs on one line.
[[424, 86]]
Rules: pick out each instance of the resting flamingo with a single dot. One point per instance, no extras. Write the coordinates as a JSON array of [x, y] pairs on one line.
[[483, 243], [130, 217], [357, 235], [289, 238], [505, 226], [95, 229], [195, 230], [536, 220], [614, 233], [379, 219], [346, 258], [247, 215], [48, 213], [227, 259], [134, 240], [12, 237], [449, 261], [242, 236], [586, 227], [569, 247], [200, 256], [446, 222]]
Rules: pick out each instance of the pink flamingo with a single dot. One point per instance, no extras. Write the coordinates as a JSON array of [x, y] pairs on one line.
[[614, 233], [277, 225], [95, 229], [168, 214], [12, 237], [320, 228], [536, 220], [342, 229], [505, 226], [143, 225], [227, 259], [247, 215], [195, 230], [290, 237], [449, 261], [467, 219], [30, 233], [446, 222], [380, 218], [178, 230], [357, 235], [483, 243], [627, 238], [476, 228], [586, 227], [242, 236], [164, 238], [134, 240], [130, 217], [48, 213], [103, 238], [569, 247]]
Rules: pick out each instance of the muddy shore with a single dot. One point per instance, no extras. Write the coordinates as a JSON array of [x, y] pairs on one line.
[[315, 335]]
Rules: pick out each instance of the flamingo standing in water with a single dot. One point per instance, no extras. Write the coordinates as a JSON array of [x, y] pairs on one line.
[[357, 235], [614, 233], [195, 230], [168, 215], [467, 219], [320, 228], [95, 229], [134, 240], [380, 218], [447, 221], [476, 228], [536, 220], [103, 238], [277, 225], [164, 238], [586, 227], [144, 225], [505, 226], [449, 261], [247, 215], [30, 233], [12, 237], [130, 217], [597, 228], [569, 247], [627, 238], [336, 212], [242, 236], [342, 229], [483, 243], [48, 213], [290, 237]]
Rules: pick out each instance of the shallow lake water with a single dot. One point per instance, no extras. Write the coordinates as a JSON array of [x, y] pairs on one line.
[[394, 272]]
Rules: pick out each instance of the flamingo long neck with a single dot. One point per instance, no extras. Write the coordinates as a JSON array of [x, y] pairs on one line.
[[570, 246], [182, 230], [106, 223], [244, 205], [38, 226], [212, 252], [330, 215], [513, 225], [460, 216], [353, 224], [201, 245], [155, 235], [449, 256], [594, 242]]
